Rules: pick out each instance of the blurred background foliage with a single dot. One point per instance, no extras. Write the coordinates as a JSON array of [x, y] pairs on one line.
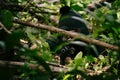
[[23, 43]]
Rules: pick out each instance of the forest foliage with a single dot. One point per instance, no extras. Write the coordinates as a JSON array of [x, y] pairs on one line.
[[21, 42]]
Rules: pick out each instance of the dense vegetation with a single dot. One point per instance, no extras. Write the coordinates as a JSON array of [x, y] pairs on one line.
[[25, 54]]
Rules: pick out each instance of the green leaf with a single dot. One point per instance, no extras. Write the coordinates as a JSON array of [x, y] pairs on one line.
[[116, 30], [66, 77], [7, 18], [42, 62], [91, 58], [78, 60], [77, 7], [109, 17], [79, 56], [14, 39], [33, 54], [68, 2]]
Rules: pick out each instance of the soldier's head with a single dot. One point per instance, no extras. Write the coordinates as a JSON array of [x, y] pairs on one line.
[[64, 9]]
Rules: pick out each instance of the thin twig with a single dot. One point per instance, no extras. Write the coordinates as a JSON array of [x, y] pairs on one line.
[[92, 72], [3, 27]]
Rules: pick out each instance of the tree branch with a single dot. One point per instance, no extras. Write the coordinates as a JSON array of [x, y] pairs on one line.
[[3, 27], [54, 67], [15, 7], [69, 33]]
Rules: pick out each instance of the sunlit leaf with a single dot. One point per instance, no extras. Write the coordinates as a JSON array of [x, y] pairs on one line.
[[66, 77], [77, 7], [78, 60]]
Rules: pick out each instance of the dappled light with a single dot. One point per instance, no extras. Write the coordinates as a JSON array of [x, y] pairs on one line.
[[59, 40]]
